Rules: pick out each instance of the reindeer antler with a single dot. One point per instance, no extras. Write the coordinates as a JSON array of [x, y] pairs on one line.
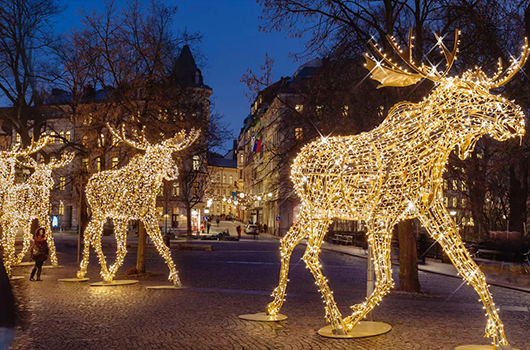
[[516, 65], [389, 73], [33, 148], [142, 145], [66, 158], [183, 139], [28, 162]]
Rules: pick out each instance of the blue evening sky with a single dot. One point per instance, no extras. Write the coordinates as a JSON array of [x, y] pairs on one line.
[[231, 44]]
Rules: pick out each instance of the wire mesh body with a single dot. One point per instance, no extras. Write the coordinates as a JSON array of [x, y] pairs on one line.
[[391, 173], [127, 194]]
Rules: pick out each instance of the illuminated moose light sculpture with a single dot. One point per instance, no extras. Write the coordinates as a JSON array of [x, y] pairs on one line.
[[130, 193], [31, 200], [394, 172], [8, 211]]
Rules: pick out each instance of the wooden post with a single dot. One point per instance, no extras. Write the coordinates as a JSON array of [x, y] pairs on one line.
[[142, 241]]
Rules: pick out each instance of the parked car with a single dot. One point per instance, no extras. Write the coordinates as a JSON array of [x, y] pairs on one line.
[[252, 229]]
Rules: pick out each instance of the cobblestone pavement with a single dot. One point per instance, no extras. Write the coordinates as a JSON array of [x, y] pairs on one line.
[[237, 278]]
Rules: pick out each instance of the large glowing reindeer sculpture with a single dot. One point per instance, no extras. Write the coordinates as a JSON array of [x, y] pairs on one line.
[[130, 193], [394, 172], [31, 200], [8, 160]]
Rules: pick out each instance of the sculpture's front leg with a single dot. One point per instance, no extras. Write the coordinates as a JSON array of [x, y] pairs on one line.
[[441, 227]]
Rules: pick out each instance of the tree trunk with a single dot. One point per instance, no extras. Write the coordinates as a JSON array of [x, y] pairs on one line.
[[82, 217], [518, 195], [142, 241], [408, 258], [188, 213]]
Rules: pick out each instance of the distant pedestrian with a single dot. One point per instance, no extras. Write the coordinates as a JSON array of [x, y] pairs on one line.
[[39, 252], [238, 229], [217, 220], [7, 310], [265, 227], [208, 224]]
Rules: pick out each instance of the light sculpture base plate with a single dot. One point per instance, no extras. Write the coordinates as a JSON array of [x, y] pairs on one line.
[[164, 287], [477, 347], [25, 263], [52, 267], [113, 283], [75, 279], [16, 278], [362, 329], [263, 317]]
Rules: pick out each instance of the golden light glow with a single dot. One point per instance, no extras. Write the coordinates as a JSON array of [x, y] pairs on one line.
[[21, 203], [394, 172], [130, 193]]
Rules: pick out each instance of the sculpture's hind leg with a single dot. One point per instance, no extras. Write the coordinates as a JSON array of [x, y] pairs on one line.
[[25, 243], [441, 227], [92, 236], [318, 231], [380, 239], [120, 232], [153, 231], [296, 233]]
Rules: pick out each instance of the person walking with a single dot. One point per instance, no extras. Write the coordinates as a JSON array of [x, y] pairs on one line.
[[39, 252], [238, 229], [7, 310]]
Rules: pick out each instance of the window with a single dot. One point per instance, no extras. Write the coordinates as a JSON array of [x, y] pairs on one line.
[[101, 140], [114, 162], [381, 111], [99, 164], [62, 183], [241, 158], [84, 164], [224, 178], [464, 187], [196, 163], [455, 202], [175, 189], [455, 185], [299, 133], [319, 109], [61, 208], [240, 174], [85, 141], [68, 136], [195, 189], [61, 135], [446, 201], [464, 202], [345, 110], [17, 138], [299, 108], [231, 180], [445, 184]]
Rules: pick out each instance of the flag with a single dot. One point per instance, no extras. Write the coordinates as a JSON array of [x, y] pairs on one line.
[[257, 145]]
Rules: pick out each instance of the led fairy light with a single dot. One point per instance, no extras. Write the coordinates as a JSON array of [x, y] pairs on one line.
[[10, 215], [130, 193], [31, 200], [394, 172]]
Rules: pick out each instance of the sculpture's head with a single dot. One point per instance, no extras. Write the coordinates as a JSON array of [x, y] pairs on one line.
[[160, 153], [43, 171], [465, 104]]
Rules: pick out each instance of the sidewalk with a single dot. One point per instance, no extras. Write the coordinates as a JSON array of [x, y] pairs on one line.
[[494, 277]]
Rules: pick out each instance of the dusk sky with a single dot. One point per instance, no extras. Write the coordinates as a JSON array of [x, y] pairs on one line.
[[231, 44]]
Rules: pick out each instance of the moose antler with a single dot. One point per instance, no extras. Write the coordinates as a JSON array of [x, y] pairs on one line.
[[143, 144], [389, 73], [33, 148], [66, 158], [516, 65], [183, 139]]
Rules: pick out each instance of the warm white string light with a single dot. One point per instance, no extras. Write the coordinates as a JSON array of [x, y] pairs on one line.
[[130, 193], [10, 216], [394, 172]]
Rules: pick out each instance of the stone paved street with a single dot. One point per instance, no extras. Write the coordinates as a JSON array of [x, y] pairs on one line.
[[237, 278]]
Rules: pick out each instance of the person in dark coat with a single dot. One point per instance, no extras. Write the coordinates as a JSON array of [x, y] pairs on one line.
[[7, 309], [39, 252], [238, 229]]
